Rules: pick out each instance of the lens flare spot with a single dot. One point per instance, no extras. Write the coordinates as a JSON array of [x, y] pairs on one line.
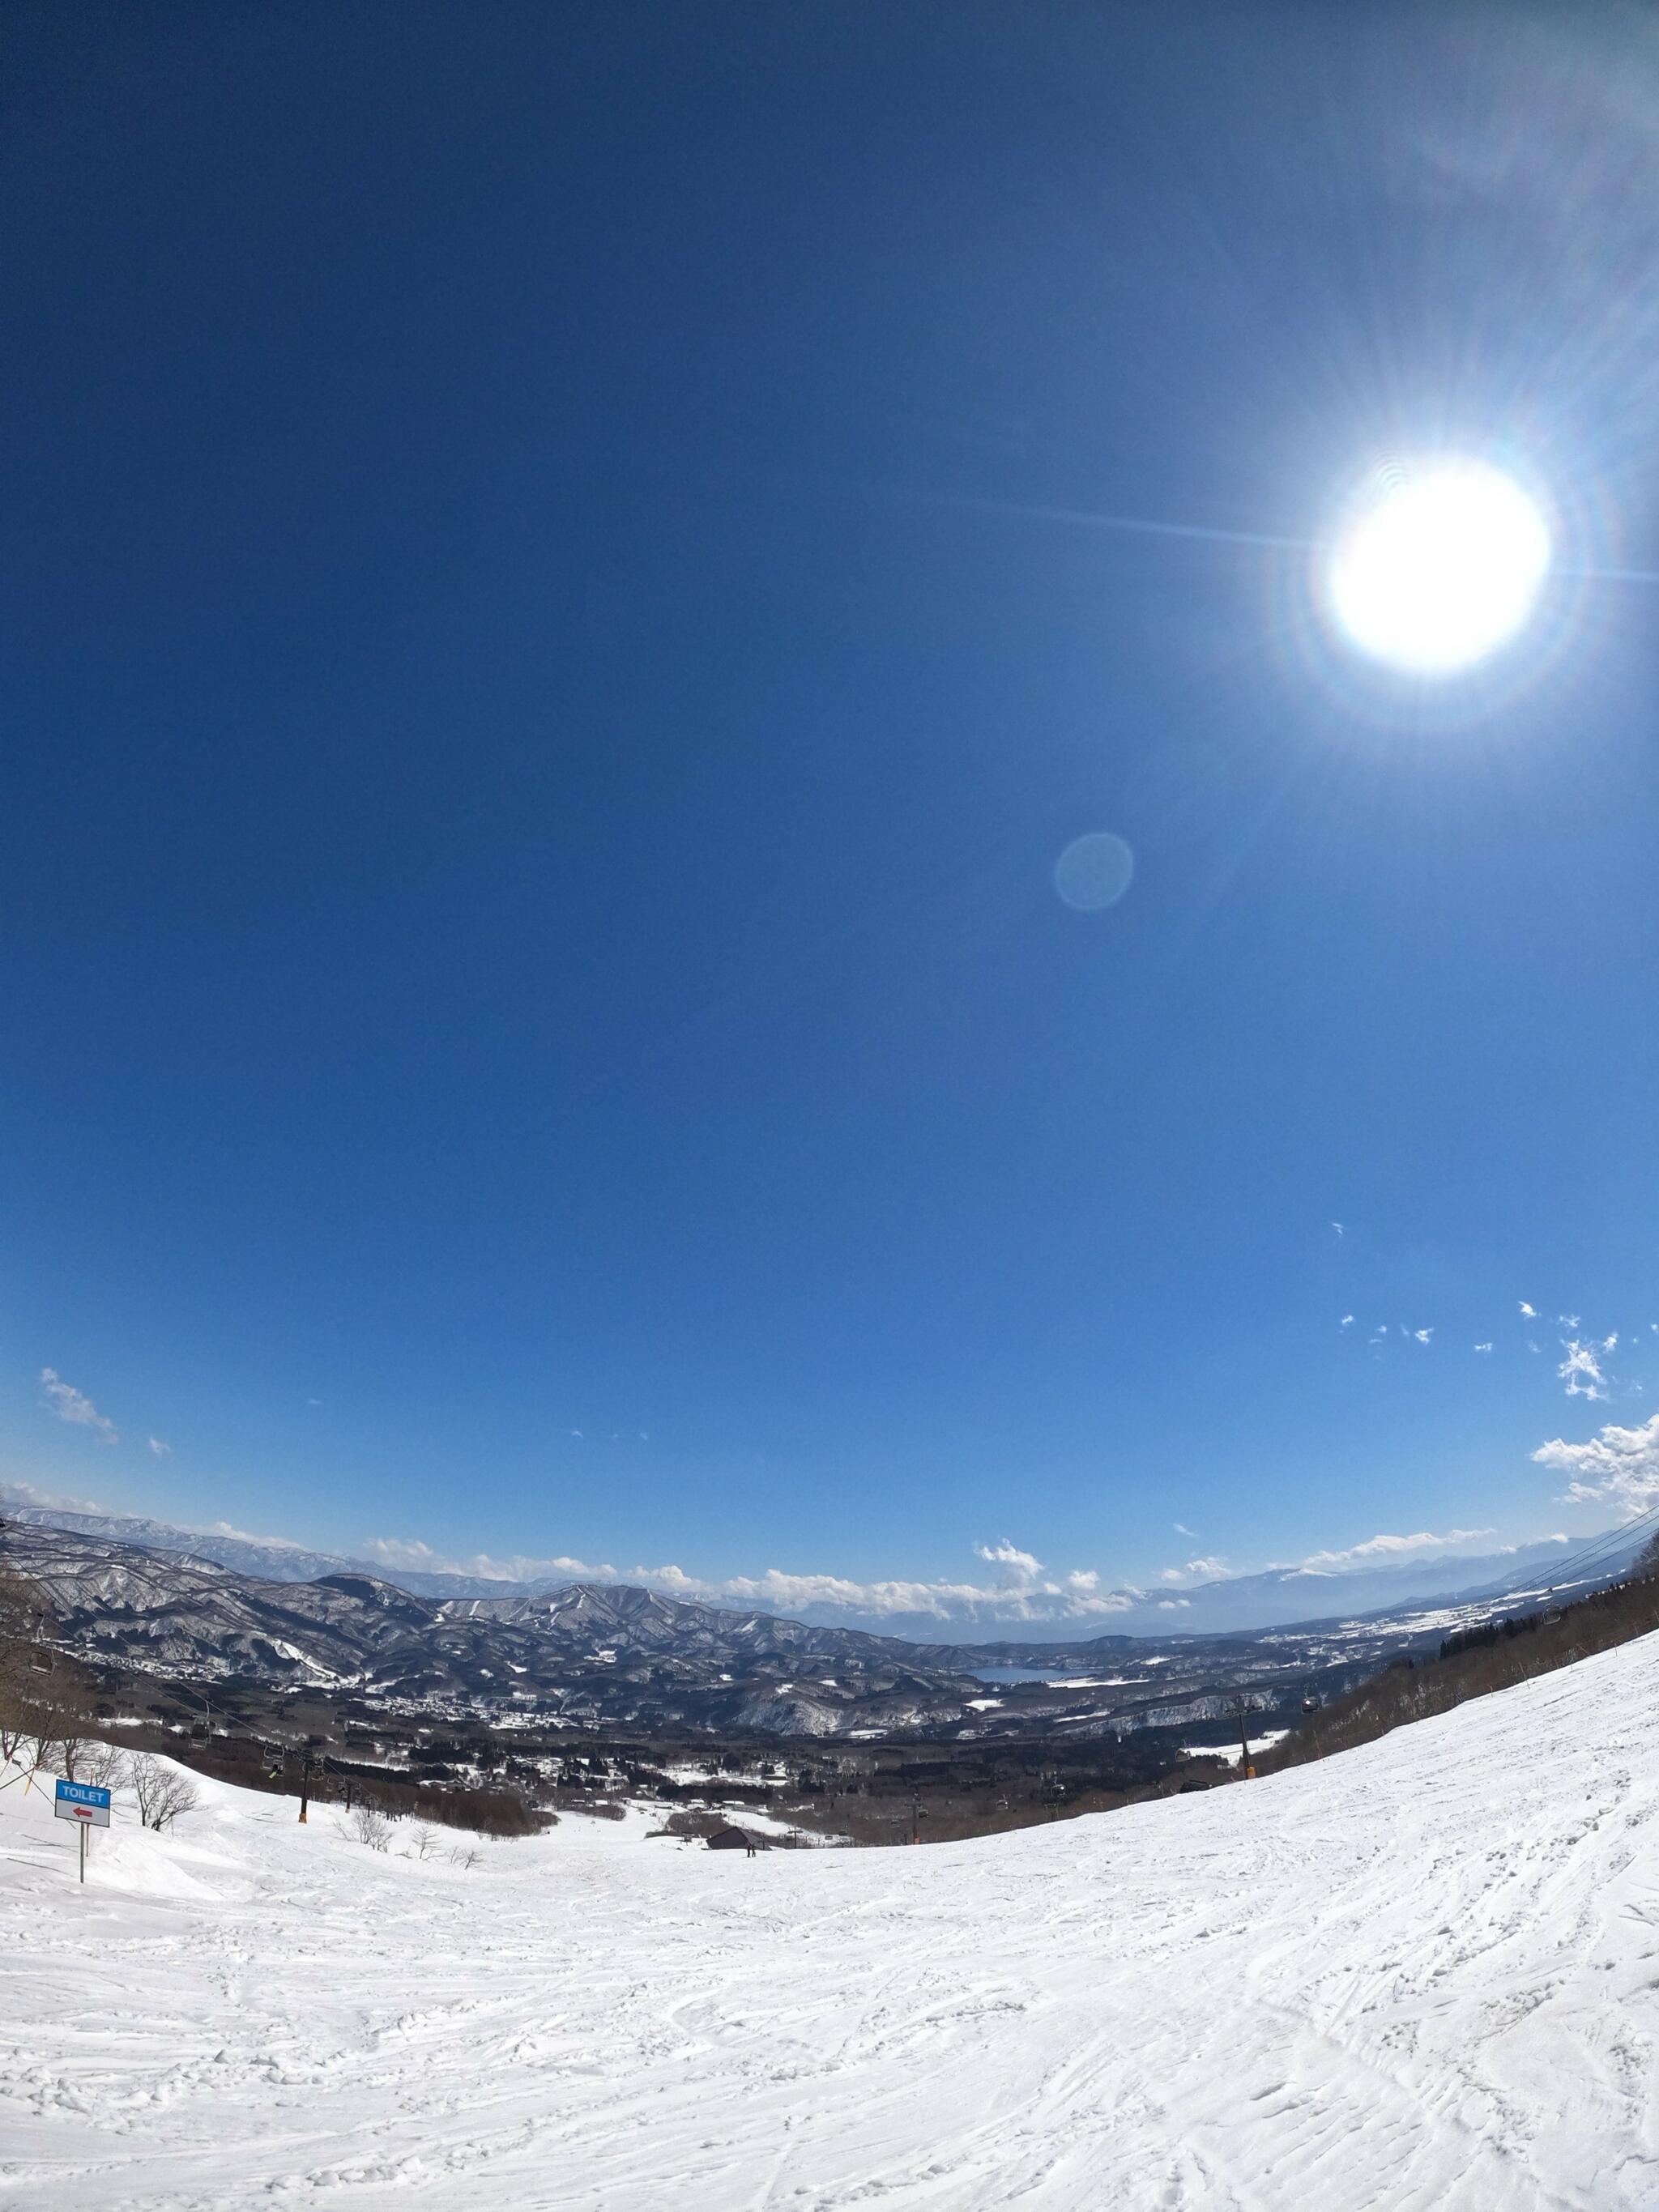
[[1094, 871]]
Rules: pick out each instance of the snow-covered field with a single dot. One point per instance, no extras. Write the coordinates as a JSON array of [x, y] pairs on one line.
[[1425, 1975]]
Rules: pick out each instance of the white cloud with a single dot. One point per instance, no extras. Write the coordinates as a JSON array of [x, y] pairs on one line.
[[1530, 1312], [1387, 1547], [1339, 1229], [1027, 1594], [1483, 1347], [1580, 1370], [1622, 1464], [1423, 1335], [25, 1493], [1195, 1570], [1567, 1321], [409, 1552], [1024, 1564], [160, 1447], [72, 1405], [1610, 1343], [1346, 1322], [1181, 1529]]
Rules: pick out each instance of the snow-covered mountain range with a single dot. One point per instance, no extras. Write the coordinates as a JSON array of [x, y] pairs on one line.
[[609, 1655], [594, 1655], [1226, 1605]]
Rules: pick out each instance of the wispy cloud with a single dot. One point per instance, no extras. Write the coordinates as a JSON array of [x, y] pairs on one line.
[[1528, 1313], [25, 1493], [1616, 1463], [409, 1552], [1423, 1335], [1387, 1547], [1483, 1347], [1580, 1370], [1025, 1590], [1024, 1564], [1346, 1322], [160, 1447], [72, 1405], [1195, 1570], [1340, 1228]]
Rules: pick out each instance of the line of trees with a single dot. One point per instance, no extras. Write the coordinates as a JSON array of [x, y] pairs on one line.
[[484, 1809], [46, 1726], [42, 1712], [1473, 1664]]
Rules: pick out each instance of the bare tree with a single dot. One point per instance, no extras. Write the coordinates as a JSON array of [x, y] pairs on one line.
[[45, 1720], [70, 1732], [1647, 1559], [23, 1621], [425, 1839], [179, 1794], [17, 1721], [104, 1764], [161, 1790], [370, 1828], [56, 1716], [144, 1774]]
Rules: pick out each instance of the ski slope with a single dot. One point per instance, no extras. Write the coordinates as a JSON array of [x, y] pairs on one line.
[[1424, 1975]]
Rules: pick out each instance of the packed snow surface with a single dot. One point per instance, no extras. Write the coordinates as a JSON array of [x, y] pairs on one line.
[[1424, 1975]]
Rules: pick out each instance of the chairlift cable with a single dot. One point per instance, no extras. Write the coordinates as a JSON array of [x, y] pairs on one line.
[[1603, 1547], [1609, 1541]]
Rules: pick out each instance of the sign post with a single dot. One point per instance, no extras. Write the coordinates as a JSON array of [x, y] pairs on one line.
[[88, 1806]]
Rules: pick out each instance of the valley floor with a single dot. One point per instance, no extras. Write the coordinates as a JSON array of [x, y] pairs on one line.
[[1424, 1975]]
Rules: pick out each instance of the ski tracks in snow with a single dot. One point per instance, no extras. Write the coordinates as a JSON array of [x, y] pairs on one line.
[[1422, 1975]]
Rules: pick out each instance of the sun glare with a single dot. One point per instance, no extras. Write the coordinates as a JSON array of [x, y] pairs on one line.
[[1438, 567]]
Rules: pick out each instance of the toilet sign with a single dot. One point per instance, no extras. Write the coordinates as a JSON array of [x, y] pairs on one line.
[[88, 1806], [84, 1802]]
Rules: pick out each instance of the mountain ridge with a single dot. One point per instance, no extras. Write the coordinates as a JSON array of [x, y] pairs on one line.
[[616, 1656], [1274, 1597]]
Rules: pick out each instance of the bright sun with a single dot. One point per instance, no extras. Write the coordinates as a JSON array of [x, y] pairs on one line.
[[1438, 567]]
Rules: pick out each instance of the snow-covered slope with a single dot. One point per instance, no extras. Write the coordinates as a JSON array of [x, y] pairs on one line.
[[1422, 1975]]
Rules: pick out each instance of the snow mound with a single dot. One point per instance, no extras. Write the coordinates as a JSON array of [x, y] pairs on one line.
[[1422, 1975]]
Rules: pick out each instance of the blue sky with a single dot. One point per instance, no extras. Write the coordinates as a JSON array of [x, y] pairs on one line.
[[565, 593]]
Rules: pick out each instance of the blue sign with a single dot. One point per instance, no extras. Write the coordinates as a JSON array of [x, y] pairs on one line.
[[83, 1801]]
